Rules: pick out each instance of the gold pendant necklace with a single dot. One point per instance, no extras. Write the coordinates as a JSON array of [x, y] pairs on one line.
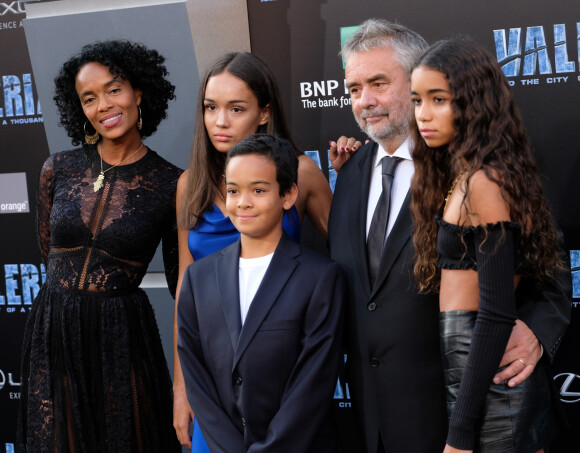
[[99, 182], [453, 184]]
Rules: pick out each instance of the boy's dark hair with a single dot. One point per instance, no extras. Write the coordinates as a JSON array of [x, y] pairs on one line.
[[278, 150]]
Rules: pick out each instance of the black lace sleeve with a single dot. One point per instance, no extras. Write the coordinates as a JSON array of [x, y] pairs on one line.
[[44, 198], [494, 249], [170, 251]]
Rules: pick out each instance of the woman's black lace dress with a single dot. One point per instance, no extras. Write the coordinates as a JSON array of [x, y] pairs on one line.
[[94, 376]]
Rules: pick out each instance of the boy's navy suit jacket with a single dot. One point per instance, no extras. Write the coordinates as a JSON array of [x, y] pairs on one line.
[[269, 385]]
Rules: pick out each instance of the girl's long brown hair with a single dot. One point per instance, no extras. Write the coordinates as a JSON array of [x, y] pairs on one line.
[[489, 136], [206, 164]]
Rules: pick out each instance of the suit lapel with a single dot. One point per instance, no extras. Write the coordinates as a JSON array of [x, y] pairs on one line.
[[398, 237], [227, 275], [279, 271], [359, 196]]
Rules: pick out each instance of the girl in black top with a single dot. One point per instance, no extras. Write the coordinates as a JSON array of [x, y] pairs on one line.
[[475, 175]]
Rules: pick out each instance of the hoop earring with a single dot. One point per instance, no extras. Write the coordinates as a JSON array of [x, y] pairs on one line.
[[140, 120], [90, 139]]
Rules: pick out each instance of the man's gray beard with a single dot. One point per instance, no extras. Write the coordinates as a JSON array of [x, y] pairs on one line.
[[392, 133]]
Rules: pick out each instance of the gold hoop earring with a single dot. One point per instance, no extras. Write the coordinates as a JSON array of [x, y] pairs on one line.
[[90, 139], [140, 120]]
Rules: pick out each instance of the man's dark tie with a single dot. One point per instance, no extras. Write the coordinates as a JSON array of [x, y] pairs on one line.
[[378, 229]]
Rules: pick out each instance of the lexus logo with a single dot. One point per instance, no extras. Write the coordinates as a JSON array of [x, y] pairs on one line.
[[569, 387], [11, 381]]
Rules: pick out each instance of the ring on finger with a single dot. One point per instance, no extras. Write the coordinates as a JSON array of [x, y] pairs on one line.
[[522, 362]]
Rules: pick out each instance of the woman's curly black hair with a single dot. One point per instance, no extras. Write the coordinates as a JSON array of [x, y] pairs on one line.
[[143, 68]]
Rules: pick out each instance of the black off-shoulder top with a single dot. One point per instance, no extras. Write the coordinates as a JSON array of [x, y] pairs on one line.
[[456, 244], [496, 253]]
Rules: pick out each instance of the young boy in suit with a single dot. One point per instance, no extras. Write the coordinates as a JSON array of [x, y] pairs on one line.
[[260, 322]]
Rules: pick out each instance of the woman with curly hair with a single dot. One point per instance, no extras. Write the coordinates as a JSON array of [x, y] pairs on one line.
[[238, 97], [94, 376], [482, 223]]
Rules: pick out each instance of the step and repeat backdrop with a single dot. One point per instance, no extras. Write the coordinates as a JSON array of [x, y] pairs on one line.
[[23, 149], [536, 42]]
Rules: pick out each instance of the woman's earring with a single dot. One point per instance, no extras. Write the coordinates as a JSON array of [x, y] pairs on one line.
[[140, 120], [90, 139]]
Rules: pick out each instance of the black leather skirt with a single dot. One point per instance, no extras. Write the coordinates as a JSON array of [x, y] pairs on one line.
[[512, 419]]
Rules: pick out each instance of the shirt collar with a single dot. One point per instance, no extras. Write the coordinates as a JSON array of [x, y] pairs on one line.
[[403, 151]]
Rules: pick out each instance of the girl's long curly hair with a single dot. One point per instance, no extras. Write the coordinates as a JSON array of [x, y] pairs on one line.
[[143, 68], [489, 135]]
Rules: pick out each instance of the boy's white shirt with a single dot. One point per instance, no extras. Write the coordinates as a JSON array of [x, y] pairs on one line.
[[251, 273]]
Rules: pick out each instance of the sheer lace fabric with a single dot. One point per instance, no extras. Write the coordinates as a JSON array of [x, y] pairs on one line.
[[94, 375]]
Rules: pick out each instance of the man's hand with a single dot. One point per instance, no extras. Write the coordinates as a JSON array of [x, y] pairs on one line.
[[341, 150], [522, 353]]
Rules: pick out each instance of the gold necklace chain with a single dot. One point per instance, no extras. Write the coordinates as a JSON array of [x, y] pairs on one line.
[[99, 182], [452, 188]]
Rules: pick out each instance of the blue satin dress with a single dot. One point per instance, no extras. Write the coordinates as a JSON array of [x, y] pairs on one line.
[[214, 233]]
